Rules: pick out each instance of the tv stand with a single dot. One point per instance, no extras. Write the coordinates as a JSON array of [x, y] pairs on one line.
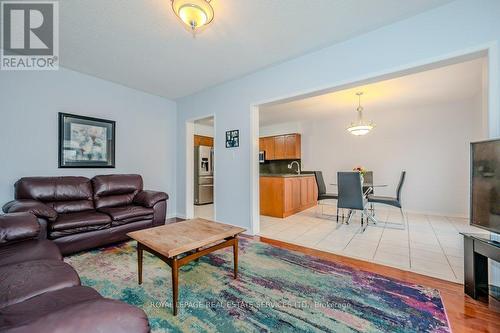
[[477, 249]]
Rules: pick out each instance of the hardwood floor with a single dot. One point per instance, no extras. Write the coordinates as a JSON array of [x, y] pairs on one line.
[[464, 313]]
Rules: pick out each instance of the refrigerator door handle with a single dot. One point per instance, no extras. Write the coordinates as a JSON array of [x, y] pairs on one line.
[[211, 161]]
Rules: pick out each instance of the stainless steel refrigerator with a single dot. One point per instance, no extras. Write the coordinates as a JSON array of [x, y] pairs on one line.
[[203, 175]]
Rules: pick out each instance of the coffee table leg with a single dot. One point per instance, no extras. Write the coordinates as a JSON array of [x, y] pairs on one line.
[[175, 284], [139, 261], [235, 257]]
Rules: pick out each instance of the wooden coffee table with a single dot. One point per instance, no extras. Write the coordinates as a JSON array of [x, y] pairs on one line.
[[179, 243]]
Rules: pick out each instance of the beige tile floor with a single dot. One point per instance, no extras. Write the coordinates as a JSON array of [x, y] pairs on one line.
[[204, 211], [429, 245]]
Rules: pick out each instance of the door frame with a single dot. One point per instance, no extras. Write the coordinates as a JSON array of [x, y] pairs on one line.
[[189, 190]]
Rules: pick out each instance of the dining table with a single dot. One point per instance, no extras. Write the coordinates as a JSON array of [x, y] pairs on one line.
[[365, 184]]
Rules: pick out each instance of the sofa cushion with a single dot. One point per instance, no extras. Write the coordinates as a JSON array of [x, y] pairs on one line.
[[44, 304], [75, 223], [65, 194], [132, 219], [115, 190], [33, 249], [78, 220], [131, 213], [21, 281]]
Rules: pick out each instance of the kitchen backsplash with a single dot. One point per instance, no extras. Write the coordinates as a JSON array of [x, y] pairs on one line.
[[278, 167]]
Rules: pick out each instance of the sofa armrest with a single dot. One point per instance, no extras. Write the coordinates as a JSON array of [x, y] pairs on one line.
[[37, 208], [18, 226], [149, 198]]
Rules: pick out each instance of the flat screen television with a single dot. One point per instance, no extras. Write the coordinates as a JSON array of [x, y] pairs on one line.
[[485, 185]]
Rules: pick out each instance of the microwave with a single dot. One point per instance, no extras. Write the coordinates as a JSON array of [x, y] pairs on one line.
[[262, 156]]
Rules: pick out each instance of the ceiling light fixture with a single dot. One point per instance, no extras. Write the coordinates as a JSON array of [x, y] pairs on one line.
[[195, 14], [360, 127]]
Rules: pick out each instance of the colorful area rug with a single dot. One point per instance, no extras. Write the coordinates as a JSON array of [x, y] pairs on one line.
[[277, 291]]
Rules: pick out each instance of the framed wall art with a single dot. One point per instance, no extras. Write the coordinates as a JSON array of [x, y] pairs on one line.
[[233, 139], [86, 142]]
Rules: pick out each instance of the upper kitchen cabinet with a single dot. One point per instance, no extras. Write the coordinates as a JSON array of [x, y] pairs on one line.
[[267, 144], [281, 147], [292, 146], [200, 140]]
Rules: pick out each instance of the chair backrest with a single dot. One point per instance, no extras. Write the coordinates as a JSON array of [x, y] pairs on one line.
[[400, 185], [320, 182], [350, 191], [368, 177]]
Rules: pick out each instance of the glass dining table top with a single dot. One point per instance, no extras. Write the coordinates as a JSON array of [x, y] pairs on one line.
[[366, 184]]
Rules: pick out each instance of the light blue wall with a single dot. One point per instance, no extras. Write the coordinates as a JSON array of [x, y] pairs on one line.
[[29, 106]]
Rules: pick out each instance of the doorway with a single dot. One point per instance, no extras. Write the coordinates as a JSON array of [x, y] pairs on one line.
[[408, 132], [201, 158]]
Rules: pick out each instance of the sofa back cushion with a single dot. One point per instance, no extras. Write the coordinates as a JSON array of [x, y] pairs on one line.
[[66, 194], [115, 190]]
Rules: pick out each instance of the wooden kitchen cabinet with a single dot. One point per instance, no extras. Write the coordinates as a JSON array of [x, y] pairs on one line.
[[200, 140], [292, 146], [308, 192], [282, 196], [267, 144], [292, 196], [281, 147]]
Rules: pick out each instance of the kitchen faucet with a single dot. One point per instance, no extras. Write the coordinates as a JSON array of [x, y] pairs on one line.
[[298, 166]]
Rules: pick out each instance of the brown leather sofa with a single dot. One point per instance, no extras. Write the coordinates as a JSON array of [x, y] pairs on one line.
[[79, 213], [40, 293]]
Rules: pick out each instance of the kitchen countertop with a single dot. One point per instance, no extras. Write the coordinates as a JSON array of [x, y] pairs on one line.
[[286, 175]]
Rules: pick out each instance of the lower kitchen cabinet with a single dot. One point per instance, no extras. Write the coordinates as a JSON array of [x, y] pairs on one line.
[[282, 196]]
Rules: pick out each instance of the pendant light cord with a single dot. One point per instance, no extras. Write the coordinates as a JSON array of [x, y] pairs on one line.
[[360, 108]]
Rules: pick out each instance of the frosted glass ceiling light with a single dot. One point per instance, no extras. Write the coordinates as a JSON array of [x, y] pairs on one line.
[[195, 14], [360, 127]]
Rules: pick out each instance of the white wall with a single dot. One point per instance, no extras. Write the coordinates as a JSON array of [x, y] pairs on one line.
[[430, 142], [29, 106], [444, 32], [281, 128], [205, 130]]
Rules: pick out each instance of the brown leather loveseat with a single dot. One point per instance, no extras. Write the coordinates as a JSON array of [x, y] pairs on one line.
[[41, 293], [79, 213]]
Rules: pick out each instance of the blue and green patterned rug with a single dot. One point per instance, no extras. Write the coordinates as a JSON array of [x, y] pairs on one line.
[[277, 291]]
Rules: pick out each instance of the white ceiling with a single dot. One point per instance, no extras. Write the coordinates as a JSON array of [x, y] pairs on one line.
[[141, 44], [451, 83]]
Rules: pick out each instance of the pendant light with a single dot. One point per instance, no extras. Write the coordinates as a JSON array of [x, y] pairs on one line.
[[360, 127]]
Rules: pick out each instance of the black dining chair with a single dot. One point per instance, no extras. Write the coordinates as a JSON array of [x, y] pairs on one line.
[[322, 195], [368, 179], [352, 197], [391, 201]]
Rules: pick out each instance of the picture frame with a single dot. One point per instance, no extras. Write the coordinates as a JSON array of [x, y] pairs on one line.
[[232, 139], [86, 142]]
